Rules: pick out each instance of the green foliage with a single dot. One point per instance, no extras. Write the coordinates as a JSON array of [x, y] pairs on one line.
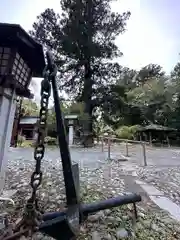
[[28, 143], [78, 108], [134, 129], [126, 132], [51, 120], [75, 108], [148, 97], [51, 123], [21, 140], [149, 72], [100, 128], [29, 108], [83, 41], [151, 97]]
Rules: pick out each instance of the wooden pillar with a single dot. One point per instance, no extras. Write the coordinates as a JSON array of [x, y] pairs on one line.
[[150, 138], [140, 137], [167, 138]]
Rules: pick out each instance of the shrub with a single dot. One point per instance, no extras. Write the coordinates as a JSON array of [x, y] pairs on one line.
[[28, 143], [134, 129], [50, 141], [21, 140], [126, 132]]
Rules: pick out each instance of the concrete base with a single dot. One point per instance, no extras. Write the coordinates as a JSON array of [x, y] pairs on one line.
[[118, 158]]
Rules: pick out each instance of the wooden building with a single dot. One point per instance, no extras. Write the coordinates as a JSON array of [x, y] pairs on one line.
[[27, 127], [156, 134]]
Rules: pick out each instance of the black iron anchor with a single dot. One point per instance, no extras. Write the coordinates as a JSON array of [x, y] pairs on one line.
[[65, 225]]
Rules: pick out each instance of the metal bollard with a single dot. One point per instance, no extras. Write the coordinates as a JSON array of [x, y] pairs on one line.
[[144, 154]]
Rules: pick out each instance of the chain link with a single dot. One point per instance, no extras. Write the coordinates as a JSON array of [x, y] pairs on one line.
[[32, 215], [36, 177]]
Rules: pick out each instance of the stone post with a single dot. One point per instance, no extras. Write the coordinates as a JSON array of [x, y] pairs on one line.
[[7, 112], [71, 133]]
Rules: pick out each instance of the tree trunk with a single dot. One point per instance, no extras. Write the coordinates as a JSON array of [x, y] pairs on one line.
[[87, 99]]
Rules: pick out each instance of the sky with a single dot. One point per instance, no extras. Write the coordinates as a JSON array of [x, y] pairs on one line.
[[152, 36]]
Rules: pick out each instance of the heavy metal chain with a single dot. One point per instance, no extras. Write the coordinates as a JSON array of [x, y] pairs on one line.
[[36, 177], [32, 216], [31, 212]]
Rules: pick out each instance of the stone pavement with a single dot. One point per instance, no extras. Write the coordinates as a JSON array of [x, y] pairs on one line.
[[135, 183]]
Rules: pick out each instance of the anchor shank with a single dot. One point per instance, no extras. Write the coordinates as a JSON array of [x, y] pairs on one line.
[[71, 195]]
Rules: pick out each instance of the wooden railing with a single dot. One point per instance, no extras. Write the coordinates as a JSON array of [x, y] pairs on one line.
[[112, 139]]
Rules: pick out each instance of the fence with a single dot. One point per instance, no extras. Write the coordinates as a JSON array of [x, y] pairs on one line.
[[126, 148]]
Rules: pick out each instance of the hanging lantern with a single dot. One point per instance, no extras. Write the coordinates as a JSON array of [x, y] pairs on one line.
[[20, 59]]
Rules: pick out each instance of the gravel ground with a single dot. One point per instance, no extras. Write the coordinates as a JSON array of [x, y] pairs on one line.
[[166, 179], [96, 184]]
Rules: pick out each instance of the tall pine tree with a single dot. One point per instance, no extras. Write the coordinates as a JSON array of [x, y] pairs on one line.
[[83, 41]]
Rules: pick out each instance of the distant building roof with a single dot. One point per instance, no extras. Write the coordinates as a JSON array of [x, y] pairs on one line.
[[29, 120], [34, 119], [157, 127], [71, 116]]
